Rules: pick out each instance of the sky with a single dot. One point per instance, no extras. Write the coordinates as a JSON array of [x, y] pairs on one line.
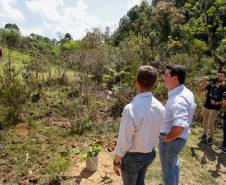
[[47, 17]]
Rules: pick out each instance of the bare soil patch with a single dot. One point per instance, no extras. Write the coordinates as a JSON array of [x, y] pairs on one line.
[[79, 175]]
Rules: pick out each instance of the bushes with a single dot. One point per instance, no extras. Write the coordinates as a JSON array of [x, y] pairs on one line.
[[123, 96], [13, 96]]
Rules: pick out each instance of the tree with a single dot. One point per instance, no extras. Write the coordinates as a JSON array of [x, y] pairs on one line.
[[13, 38], [39, 38], [63, 41], [209, 22], [68, 36], [33, 36], [165, 14], [47, 40], [60, 34], [54, 42], [177, 3], [133, 13], [92, 39], [10, 26]]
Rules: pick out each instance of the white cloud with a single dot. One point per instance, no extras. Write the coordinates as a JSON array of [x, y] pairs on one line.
[[8, 13], [54, 17], [133, 3], [74, 20], [46, 9]]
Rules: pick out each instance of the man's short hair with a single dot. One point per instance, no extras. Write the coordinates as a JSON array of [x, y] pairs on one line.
[[179, 71], [221, 71], [146, 76]]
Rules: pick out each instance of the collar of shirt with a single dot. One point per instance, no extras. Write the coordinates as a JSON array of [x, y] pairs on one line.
[[141, 95], [175, 90]]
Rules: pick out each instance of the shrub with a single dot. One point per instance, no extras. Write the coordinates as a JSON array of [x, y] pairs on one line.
[[123, 96], [13, 96]]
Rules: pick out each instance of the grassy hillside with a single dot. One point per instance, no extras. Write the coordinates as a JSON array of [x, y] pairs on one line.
[[33, 153], [16, 57], [67, 110]]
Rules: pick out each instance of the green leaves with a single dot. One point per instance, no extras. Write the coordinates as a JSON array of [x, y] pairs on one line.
[[211, 11], [188, 5], [73, 150], [84, 157], [89, 152]]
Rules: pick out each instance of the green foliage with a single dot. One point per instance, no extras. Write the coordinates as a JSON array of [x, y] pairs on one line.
[[165, 14], [194, 65], [13, 96], [68, 36], [221, 50], [10, 26], [88, 153], [82, 113], [98, 62], [209, 67], [209, 21], [13, 38], [198, 47], [123, 95], [35, 96], [82, 124], [71, 46], [159, 91]]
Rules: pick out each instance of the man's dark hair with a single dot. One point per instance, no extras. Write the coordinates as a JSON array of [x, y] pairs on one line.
[[221, 71], [178, 70], [146, 76]]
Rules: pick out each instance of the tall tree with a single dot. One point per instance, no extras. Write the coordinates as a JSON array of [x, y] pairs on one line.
[[13, 38], [165, 14], [68, 36], [177, 3], [10, 26], [210, 22]]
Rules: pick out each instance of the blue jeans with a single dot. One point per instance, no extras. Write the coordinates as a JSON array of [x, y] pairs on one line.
[[224, 132], [169, 153], [134, 166]]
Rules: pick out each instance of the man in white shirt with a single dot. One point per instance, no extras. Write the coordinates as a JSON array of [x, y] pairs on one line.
[[139, 130], [176, 125]]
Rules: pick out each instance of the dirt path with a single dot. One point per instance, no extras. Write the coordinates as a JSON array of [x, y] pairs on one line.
[[79, 175]]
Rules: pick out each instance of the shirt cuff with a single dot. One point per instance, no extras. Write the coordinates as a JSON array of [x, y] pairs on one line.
[[118, 152], [181, 123]]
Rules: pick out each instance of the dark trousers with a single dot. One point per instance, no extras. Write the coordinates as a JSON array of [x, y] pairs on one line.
[[134, 167], [224, 133]]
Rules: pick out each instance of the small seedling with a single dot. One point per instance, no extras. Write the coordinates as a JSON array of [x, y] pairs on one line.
[[88, 153]]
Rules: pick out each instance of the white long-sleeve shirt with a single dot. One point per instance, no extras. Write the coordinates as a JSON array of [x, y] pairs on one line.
[[140, 125], [179, 110]]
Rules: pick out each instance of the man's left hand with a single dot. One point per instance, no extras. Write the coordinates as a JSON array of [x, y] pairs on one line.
[[164, 138], [213, 102], [175, 132]]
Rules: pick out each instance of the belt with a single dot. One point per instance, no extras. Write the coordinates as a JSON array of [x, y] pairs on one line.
[[134, 152], [162, 134]]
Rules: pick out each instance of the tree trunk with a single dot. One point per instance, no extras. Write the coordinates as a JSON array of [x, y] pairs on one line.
[[215, 57]]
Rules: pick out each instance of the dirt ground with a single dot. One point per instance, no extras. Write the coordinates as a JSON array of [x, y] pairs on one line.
[[79, 175]]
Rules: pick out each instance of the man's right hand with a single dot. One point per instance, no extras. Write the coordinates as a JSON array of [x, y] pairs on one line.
[[116, 169], [202, 88], [205, 79]]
